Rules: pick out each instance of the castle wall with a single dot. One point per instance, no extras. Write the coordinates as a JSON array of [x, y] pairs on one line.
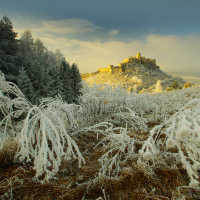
[[104, 69], [89, 74]]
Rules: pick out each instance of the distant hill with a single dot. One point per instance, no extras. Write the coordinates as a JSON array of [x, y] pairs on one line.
[[186, 77], [138, 73]]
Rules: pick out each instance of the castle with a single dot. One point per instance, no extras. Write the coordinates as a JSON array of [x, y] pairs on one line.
[[127, 65]]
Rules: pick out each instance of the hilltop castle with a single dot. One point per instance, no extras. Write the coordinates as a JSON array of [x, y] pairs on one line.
[[127, 65]]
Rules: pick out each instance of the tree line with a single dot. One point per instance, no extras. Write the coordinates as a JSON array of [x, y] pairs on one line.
[[38, 72]]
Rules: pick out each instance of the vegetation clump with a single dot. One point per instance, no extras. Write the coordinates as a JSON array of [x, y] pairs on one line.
[[187, 85], [175, 85]]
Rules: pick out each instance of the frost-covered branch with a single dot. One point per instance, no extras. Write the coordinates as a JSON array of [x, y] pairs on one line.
[[44, 138], [181, 131]]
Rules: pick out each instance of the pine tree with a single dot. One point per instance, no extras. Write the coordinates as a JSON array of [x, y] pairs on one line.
[[27, 48], [25, 85], [40, 81], [41, 53], [76, 82], [52, 60], [59, 56], [66, 80], [8, 50], [56, 83]]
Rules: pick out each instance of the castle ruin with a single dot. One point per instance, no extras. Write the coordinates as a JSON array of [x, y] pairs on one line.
[[129, 63]]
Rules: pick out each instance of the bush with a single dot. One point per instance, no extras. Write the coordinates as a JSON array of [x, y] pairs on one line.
[[44, 136], [175, 85], [169, 89], [158, 86], [187, 85]]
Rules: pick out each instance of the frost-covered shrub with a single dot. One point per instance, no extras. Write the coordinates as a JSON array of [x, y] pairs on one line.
[[102, 100], [13, 104], [181, 131], [44, 134], [44, 137], [158, 86], [120, 145]]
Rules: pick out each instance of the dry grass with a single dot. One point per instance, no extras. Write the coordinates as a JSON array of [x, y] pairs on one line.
[[161, 181]]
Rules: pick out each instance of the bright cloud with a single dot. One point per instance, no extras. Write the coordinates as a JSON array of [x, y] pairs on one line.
[[113, 32], [172, 53]]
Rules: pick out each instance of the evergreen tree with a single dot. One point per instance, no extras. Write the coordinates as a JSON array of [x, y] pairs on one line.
[[25, 85], [56, 83], [66, 81], [9, 45], [41, 53], [59, 56], [52, 60], [76, 82], [36, 65], [41, 81], [27, 48]]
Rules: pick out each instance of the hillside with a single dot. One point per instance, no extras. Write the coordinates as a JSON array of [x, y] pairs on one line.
[[137, 73]]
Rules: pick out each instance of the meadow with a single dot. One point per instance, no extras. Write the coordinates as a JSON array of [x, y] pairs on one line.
[[113, 144]]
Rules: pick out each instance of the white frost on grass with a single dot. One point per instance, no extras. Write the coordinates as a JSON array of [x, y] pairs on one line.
[[44, 138], [181, 131], [10, 108]]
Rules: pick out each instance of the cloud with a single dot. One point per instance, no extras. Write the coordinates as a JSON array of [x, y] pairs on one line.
[[172, 53], [68, 26], [113, 32], [62, 26]]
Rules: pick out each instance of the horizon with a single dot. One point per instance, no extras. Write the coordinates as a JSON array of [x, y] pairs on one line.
[[98, 34]]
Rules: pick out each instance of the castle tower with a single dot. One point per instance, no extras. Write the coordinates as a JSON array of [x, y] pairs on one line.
[[138, 55], [110, 66]]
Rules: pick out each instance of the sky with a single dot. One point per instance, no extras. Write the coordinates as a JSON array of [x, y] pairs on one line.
[[98, 33]]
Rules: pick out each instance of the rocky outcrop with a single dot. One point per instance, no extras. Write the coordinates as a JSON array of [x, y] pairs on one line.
[[133, 74]]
